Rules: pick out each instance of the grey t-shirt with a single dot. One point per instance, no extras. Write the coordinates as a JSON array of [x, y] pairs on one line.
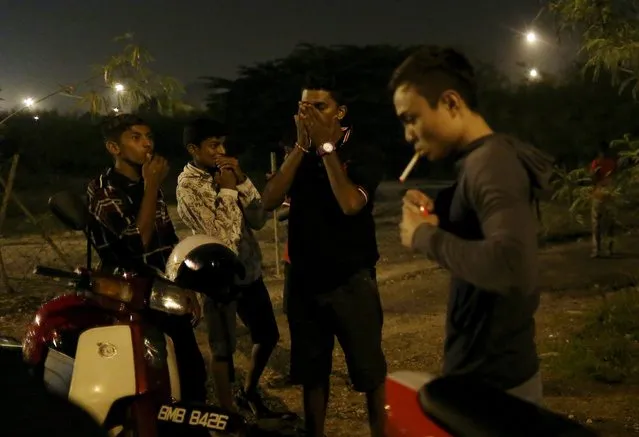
[[487, 239]]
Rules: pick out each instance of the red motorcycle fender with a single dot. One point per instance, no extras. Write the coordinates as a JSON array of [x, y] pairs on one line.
[[405, 417], [67, 312]]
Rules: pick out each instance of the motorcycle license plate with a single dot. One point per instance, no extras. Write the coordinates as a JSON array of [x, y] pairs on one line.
[[181, 415]]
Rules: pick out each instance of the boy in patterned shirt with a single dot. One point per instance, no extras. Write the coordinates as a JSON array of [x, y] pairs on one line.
[[130, 228], [216, 198]]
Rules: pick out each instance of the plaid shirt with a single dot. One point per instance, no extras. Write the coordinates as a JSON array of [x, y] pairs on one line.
[[114, 202]]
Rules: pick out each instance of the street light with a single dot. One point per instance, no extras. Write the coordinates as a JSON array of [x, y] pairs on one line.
[[531, 37], [116, 110], [118, 87], [36, 118], [533, 73], [28, 102]]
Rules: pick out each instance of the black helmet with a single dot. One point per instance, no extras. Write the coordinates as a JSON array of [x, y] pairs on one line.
[[204, 264]]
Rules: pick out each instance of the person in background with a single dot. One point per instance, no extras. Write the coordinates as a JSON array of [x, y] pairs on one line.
[[484, 231], [602, 170], [331, 180], [130, 228], [216, 198]]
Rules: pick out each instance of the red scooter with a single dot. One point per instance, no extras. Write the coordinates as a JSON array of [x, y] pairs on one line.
[[96, 347], [419, 405]]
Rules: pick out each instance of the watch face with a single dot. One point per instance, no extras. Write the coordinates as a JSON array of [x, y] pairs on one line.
[[328, 147]]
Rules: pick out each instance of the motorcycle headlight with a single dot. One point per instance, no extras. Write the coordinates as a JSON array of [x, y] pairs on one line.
[[170, 299], [114, 288]]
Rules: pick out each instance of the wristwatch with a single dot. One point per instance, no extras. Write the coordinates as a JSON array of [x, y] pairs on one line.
[[326, 149]]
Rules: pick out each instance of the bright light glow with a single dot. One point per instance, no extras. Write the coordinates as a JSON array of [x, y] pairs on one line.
[[36, 118], [533, 73], [531, 37], [28, 102], [116, 110], [118, 87], [171, 304]]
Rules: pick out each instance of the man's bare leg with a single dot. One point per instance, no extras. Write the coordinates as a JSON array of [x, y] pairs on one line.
[[376, 401], [315, 403], [250, 398], [223, 386], [260, 355]]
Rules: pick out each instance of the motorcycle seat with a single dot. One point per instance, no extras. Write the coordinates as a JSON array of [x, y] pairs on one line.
[[469, 408]]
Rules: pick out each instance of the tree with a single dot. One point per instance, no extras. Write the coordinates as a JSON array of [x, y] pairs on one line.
[[608, 33], [127, 74], [260, 103], [124, 80], [59, 144]]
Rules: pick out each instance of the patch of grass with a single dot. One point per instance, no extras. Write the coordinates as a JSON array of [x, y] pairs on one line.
[[606, 348]]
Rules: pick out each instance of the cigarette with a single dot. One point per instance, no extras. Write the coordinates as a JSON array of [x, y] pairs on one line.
[[409, 168]]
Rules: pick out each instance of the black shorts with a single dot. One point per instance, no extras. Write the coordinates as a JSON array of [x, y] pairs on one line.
[[190, 362], [256, 312], [351, 312]]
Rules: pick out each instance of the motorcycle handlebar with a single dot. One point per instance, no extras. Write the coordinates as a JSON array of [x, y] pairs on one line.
[[55, 273]]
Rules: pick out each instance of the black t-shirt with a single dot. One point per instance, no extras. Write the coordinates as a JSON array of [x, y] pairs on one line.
[[325, 245]]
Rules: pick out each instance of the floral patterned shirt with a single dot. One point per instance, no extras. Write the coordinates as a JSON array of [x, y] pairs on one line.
[[229, 215]]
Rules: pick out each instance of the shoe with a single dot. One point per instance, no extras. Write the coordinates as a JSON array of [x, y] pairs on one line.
[[253, 402]]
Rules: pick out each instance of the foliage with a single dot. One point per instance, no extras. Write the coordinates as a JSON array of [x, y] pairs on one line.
[[260, 103], [71, 145], [129, 68], [606, 349], [67, 144], [609, 35], [576, 186]]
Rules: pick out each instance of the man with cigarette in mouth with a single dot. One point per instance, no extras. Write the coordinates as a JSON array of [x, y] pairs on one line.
[[130, 228], [483, 229], [331, 180]]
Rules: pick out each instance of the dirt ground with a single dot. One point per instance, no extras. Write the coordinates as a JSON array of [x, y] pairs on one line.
[[414, 293]]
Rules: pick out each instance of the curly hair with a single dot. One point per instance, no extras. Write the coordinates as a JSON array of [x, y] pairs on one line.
[[113, 126], [433, 70]]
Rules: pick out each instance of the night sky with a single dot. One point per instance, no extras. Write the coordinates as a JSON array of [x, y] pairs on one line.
[[44, 43]]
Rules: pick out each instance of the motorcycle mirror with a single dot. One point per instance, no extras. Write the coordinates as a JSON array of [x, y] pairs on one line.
[[70, 209]]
